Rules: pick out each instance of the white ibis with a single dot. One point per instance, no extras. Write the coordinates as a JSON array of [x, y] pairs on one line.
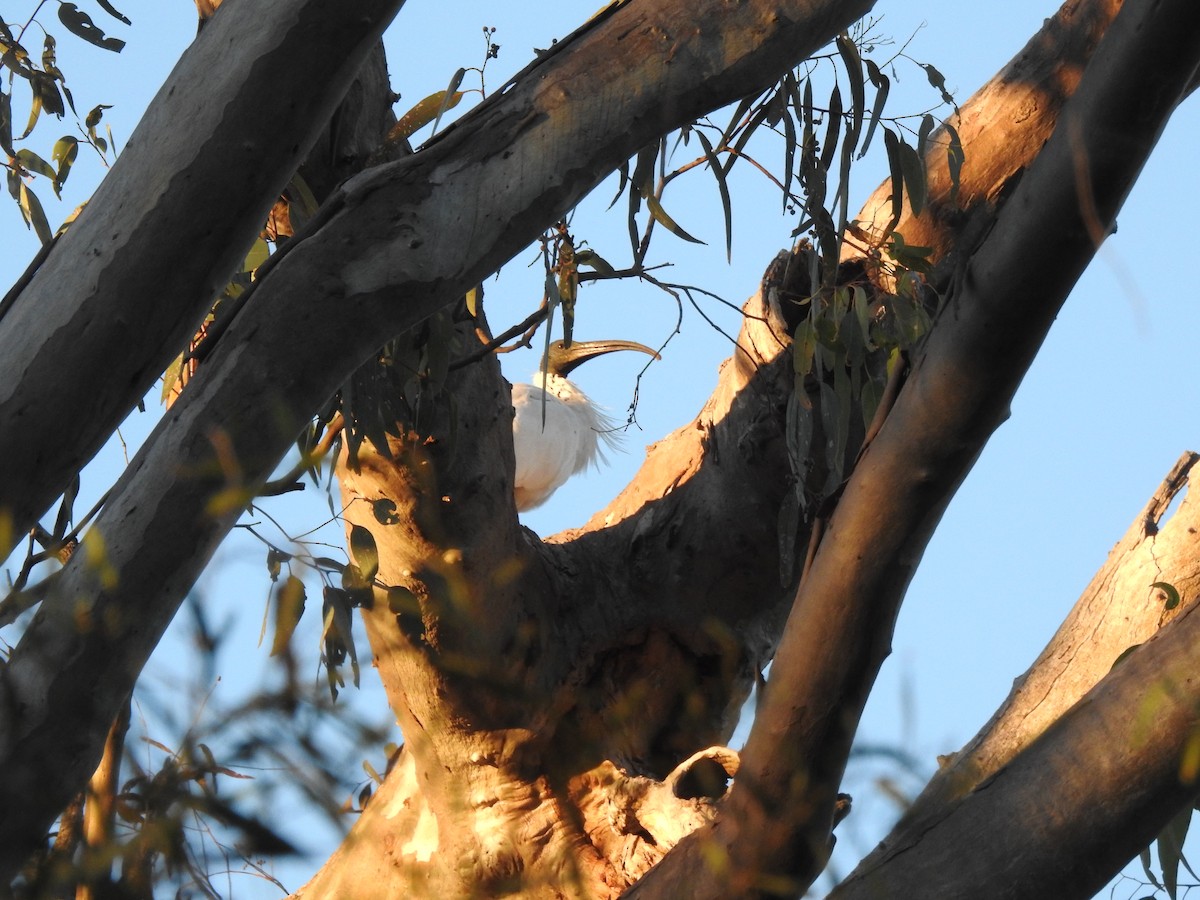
[[556, 438]]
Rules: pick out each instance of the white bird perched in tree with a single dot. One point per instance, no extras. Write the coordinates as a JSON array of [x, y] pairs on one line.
[[556, 438]]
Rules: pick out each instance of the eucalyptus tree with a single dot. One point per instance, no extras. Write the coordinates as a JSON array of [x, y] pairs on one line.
[[565, 703]]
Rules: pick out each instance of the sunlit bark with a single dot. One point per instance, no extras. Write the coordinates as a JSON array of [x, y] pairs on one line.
[[389, 248]]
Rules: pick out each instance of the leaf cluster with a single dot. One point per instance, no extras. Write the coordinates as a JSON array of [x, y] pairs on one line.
[[48, 94]]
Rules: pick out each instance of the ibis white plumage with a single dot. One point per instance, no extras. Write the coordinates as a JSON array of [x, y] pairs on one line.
[[557, 430]]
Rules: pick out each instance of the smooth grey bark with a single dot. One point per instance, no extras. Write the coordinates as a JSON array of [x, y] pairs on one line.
[[395, 244], [127, 285]]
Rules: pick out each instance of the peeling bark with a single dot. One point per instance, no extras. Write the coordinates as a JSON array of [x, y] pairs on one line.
[[392, 246], [996, 316], [537, 683], [552, 702]]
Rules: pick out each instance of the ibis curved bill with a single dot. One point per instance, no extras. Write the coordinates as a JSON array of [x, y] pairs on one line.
[[557, 430]]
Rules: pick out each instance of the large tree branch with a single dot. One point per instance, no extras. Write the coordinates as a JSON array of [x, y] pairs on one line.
[[774, 825], [129, 282], [394, 245], [1114, 761], [1119, 610], [1005, 124]]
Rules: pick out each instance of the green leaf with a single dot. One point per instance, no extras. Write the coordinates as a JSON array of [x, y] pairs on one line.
[[914, 177], [834, 430], [35, 110], [66, 149], [1145, 858], [914, 257], [289, 607], [790, 140], [95, 114], [302, 203], [738, 114], [833, 128], [385, 512], [81, 25], [882, 86], [756, 119], [356, 589], [791, 516], [660, 214], [954, 160], [938, 81], [714, 165], [923, 133], [6, 138], [1121, 657], [853, 64], [861, 305], [259, 252], [1170, 851], [450, 97], [52, 100], [364, 551], [337, 635], [869, 397], [804, 345], [622, 183], [1171, 592], [275, 560], [35, 216], [402, 601], [643, 170], [35, 163], [111, 10], [853, 337], [892, 143], [594, 260]]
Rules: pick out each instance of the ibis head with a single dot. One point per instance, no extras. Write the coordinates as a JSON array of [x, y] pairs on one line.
[[557, 429]]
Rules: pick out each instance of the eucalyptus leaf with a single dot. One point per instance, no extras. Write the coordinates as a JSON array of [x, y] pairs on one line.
[[112, 11], [714, 166], [364, 551], [660, 214], [289, 607], [882, 86], [81, 25], [854, 72], [1171, 593]]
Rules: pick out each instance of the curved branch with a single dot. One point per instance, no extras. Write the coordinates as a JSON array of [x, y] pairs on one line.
[[774, 826], [134, 275], [1004, 126], [1120, 610], [410, 237]]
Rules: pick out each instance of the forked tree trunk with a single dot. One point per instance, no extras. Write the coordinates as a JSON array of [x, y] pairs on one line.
[[522, 772], [552, 693], [390, 248]]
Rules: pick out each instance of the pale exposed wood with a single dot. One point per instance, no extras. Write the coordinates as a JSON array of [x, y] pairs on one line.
[[394, 245], [1003, 126], [501, 653], [774, 826]]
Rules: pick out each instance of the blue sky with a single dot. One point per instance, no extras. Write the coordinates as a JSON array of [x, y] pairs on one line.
[[1102, 415]]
